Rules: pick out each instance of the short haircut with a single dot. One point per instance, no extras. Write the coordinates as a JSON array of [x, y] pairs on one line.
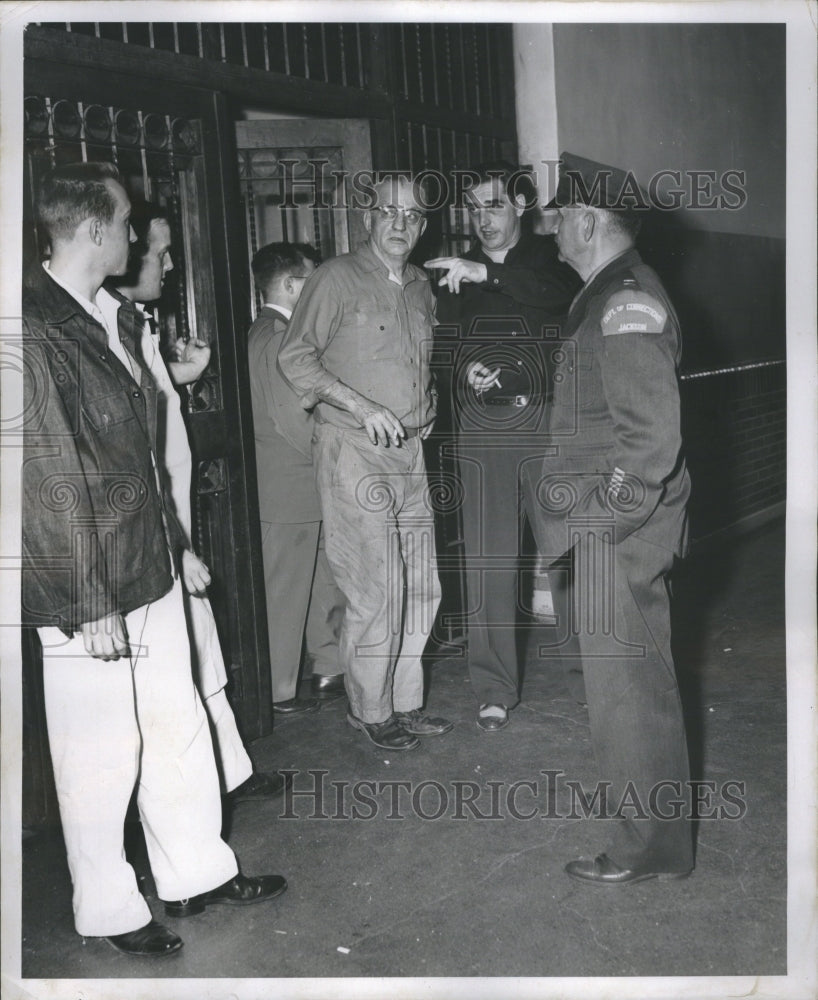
[[622, 222], [72, 193], [516, 180], [143, 215], [277, 260]]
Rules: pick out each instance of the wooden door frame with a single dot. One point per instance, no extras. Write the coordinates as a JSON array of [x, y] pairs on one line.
[[354, 135]]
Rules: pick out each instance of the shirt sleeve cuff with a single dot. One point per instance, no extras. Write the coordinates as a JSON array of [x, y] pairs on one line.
[[494, 277], [312, 396]]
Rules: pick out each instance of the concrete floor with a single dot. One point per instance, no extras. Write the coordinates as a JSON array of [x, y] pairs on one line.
[[407, 895]]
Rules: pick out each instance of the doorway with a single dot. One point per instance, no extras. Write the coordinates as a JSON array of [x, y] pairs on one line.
[[296, 181]]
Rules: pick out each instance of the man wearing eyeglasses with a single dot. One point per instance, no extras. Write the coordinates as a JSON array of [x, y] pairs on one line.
[[502, 297], [357, 352]]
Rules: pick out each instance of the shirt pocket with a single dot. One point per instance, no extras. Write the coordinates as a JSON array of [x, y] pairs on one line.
[[377, 334], [108, 412]]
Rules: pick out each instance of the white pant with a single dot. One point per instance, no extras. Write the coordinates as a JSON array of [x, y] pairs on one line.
[[211, 677], [118, 724]]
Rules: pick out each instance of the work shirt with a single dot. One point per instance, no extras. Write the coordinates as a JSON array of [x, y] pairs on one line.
[[504, 321], [354, 324]]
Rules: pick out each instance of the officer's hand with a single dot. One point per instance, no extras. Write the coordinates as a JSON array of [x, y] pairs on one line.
[[481, 378], [191, 357], [426, 431], [195, 574], [105, 638], [380, 424], [457, 270]]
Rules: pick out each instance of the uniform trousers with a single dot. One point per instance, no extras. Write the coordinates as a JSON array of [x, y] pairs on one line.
[[380, 545], [133, 722], [620, 617], [299, 589]]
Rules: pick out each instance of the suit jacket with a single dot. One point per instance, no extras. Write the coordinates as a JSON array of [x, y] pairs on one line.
[[283, 430], [618, 465]]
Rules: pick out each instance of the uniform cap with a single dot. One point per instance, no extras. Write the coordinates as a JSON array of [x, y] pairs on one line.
[[587, 182]]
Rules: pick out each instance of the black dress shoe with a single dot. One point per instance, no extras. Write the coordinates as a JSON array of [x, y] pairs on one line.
[[603, 871], [327, 685], [259, 786], [389, 735], [241, 890], [293, 706], [490, 718], [151, 941]]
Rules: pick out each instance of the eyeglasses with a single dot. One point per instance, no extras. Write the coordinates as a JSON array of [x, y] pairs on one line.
[[411, 215]]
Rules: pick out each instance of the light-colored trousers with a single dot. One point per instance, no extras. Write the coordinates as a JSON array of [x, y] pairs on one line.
[[133, 722], [211, 678], [380, 545]]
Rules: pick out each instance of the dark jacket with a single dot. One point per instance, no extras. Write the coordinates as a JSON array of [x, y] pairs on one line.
[[502, 321], [282, 428], [617, 462], [96, 537]]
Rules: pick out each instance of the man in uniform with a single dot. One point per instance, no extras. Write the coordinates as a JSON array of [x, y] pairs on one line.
[[613, 492], [297, 579], [357, 350], [102, 581], [505, 298]]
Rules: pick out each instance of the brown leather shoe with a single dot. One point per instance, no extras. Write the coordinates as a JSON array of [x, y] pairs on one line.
[[151, 941], [241, 890], [387, 735], [418, 724], [603, 871]]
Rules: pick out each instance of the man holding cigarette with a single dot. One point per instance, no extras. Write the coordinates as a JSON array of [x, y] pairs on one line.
[[502, 297]]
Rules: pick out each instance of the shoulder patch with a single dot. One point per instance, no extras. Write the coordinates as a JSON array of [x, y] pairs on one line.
[[631, 310]]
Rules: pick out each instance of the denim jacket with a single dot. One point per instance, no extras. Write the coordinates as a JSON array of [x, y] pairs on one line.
[[97, 538]]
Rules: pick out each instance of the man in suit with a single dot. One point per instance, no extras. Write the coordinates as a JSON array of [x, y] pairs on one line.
[[299, 585], [150, 262], [102, 581], [613, 492], [501, 298]]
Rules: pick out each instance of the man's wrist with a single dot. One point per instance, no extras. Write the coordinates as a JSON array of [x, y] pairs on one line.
[[493, 280]]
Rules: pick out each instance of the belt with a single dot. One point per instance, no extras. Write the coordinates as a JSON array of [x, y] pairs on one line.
[[515, 400], [409, 432]]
